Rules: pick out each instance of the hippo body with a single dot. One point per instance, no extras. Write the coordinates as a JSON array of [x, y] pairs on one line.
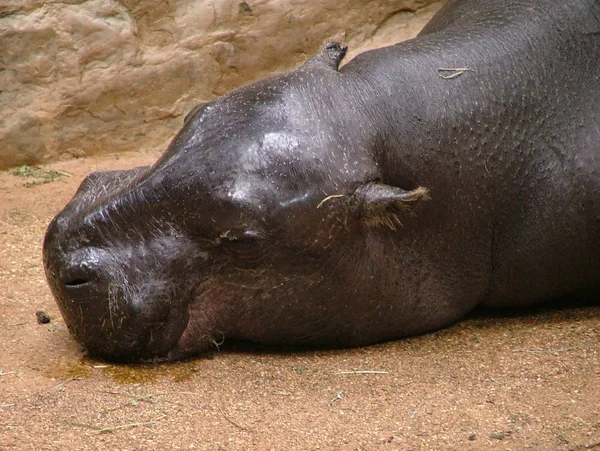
[[342, 207]]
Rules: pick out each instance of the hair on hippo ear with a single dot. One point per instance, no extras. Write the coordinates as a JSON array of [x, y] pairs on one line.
[[379, 204]]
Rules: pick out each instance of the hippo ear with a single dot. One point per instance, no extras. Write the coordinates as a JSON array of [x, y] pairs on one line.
[[331, 56], [193, 112], [380, 204]]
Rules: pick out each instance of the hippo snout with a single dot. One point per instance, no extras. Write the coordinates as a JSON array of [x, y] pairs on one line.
[[122, 299], [112, 317]]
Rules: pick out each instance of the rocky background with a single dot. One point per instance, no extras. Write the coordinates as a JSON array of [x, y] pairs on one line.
[[82, 77]]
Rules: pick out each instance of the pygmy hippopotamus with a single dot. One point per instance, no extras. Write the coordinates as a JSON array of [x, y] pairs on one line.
[[335, 206]]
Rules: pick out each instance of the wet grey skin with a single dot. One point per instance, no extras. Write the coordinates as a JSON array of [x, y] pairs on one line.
[[345, 206]]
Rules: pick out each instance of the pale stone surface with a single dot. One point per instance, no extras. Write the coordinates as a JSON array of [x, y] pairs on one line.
[[80, 77]]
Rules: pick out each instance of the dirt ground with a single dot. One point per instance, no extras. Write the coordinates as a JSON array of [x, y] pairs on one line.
[[529, 381]]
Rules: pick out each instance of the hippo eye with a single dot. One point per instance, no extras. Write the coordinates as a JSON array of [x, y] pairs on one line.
[[243, 246], [228, 235], [247, 235]]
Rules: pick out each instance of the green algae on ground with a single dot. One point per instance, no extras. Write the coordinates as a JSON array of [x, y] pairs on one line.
[[39, 176], [144, 373], [125, 374], [79, 370]]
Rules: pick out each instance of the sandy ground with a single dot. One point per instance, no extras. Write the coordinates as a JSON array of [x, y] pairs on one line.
[[527, 381]]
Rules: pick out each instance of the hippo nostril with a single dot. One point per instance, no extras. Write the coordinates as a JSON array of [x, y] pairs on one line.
[[79, 273], [76, 283]]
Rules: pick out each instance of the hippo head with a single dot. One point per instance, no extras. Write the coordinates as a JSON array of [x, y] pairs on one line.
[[231, 233]]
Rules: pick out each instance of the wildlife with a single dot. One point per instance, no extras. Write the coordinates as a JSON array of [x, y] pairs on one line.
[[343, 205]]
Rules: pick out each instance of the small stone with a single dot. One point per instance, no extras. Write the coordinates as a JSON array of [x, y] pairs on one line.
[[42, 317]]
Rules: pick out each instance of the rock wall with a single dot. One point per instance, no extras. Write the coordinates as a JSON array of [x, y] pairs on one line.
[[85, 76]]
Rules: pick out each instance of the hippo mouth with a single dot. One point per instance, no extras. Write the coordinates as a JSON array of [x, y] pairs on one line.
[[195, 338], [184, 347], [190, 344]]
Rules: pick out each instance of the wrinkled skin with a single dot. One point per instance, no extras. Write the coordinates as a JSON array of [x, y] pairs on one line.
[[344, 207]]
